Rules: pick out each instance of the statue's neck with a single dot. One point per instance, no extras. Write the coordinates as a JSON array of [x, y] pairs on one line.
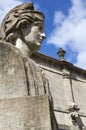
[[23, 48]]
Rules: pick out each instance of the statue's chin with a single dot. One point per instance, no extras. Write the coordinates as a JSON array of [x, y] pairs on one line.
[[34, 47]]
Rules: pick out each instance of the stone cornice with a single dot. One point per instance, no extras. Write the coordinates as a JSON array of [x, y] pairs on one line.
[[41, 58]]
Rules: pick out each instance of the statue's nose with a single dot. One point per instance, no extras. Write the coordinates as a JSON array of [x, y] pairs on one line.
[[43, 35]]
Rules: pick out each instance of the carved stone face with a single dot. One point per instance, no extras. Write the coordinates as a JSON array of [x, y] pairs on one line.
[[33, 35]]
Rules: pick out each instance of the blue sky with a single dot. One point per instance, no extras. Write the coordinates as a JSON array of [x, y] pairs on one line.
[[65, 27]]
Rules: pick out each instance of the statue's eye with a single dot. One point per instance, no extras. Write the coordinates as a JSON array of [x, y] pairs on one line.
[[38, 25], [24, 25]]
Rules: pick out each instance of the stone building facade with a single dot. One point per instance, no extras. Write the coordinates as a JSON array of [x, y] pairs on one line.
[[68, 89]]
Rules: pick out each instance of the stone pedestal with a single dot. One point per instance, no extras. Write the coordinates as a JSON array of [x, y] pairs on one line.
[[25, 113]]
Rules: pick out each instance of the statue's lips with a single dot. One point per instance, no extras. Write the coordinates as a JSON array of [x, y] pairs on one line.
[[41, 39]]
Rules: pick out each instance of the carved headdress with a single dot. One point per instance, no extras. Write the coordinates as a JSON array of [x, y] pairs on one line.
[[18, 16]]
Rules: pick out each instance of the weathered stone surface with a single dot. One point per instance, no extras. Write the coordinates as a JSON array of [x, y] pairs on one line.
[[60, 89], [26, 113], [12, 73], [79, 90], [20, 78], [67, 85]]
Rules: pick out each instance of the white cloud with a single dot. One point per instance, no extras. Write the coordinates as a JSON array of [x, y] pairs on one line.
[[7, 5], [81, 62], [70, 31], [36, 6], [59, 17]]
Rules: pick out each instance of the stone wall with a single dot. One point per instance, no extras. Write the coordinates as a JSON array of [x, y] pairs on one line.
[[67, 85]]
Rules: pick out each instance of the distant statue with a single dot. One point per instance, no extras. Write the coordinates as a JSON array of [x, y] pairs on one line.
[[23, 29]]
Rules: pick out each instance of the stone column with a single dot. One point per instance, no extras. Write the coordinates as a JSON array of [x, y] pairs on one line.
[[67, 86]]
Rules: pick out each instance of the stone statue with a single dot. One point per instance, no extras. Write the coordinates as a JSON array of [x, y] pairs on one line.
[[21, 80], [23, 29]]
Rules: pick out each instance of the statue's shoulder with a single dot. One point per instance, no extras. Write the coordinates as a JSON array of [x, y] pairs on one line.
[[8, 48], [10, 55], [12, 72]]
